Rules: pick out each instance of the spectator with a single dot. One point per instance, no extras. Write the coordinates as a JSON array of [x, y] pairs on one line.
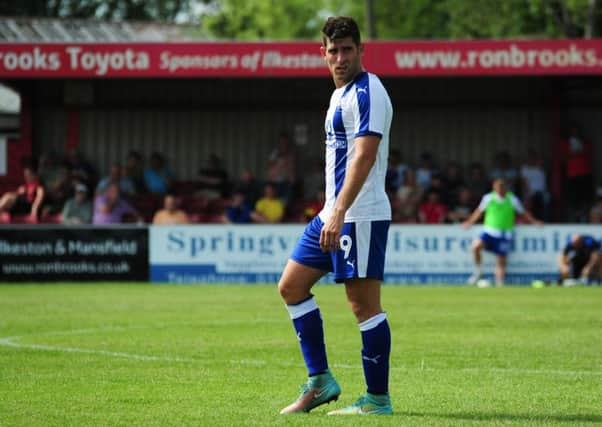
[[250, 187], [282, 165], [580, 260], [213, 179], [432, 211], [462, 207], [81, 170], [238, 211], [314, 206], [111, 208], [313, 180], [504, 170], [170, 214], [453, 181], [408, 198], [535, 193], [396, 171], [438, 185], [477, 182], [158, 177], [595, 213], [425, 170], [28, 198], [576, 154], [56, 179], [78, 209], [116, 176], [134, 171], [269, 208]]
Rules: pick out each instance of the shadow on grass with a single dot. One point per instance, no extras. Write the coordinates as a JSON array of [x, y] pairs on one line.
[[480, 416]]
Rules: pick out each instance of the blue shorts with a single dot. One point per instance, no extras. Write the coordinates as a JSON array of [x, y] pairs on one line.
[[362, 252], [498, 245]]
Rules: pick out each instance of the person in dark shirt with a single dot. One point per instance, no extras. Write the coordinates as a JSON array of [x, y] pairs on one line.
[[213, 179], [580, 260]]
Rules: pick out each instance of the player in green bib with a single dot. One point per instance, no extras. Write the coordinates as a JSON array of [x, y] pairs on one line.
[[500, 208]]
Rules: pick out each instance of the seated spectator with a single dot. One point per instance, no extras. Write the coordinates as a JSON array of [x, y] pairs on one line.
[[409, 196], [595, 213], [213, 179], [170, 214], [462, 208], [78, 209], [396, 171], [580, 260], [56, 179], [134, 171], [269, 208], [314, 206], [425, 170], [158, 177], [81, 170], [28, 198], [453, 180], [438, 185], [313, 179], [432, 210], [238, 210], [116, 176], [534, 188], [477, 182], [282, 167], [250, 187], [111, 208]]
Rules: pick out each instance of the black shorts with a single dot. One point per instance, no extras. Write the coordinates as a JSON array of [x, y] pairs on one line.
[[21, 207]]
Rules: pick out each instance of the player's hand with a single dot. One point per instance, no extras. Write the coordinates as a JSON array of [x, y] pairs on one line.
[[538, 223], [331, 232], [466, 225]]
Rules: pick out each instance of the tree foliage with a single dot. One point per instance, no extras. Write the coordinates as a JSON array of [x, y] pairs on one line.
[[302, 19], [267, 19], [140, 10]]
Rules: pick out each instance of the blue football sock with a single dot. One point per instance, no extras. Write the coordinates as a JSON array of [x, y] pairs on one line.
[[376, 340], [308, 324]]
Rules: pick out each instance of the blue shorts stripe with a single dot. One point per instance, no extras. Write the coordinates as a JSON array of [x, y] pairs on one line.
[[376, 261]]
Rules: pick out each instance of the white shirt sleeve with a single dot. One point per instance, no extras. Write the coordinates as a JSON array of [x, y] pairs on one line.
[[484, 202], [517, 205]]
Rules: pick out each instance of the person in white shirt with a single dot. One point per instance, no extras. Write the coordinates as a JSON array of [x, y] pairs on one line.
[[349, 235]]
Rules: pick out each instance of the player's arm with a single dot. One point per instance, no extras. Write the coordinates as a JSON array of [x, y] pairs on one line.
[[366, 149], [37, 202], [563, 263], [594, 258], [531, 219], [520, 210], [473, 218]]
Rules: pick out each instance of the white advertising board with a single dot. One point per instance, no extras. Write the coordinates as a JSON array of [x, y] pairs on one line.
[[416, 254]]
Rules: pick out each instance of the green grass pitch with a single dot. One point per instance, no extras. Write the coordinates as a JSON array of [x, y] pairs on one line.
[[145, 355]]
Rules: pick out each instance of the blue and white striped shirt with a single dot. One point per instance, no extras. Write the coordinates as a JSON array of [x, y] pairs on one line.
[[361, 107]]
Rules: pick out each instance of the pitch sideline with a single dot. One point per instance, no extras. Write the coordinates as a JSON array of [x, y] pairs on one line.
[[12, 341]]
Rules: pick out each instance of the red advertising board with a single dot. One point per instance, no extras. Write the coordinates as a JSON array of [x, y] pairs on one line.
[[298, 59]]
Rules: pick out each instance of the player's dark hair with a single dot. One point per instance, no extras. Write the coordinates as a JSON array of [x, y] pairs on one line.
[[339, 27]]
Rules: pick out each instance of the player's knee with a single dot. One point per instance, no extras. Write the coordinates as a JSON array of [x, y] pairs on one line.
[[477, 245], [364, 312], [288, 292]]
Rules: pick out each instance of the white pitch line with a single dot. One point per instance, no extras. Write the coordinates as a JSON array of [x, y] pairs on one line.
[[13, 342], [9, 342]]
